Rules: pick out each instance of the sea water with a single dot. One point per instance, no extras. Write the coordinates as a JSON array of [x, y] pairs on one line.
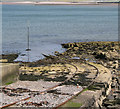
[[51, 25]]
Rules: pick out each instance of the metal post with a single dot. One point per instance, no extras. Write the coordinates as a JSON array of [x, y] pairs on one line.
[[28, 38], [28, 46]]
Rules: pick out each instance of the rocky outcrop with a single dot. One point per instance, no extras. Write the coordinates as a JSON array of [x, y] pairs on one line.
[[104, 56]]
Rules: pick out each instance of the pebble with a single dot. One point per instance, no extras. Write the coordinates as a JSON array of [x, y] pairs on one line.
[[47, 99]]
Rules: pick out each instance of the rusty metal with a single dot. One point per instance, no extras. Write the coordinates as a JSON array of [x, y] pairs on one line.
[[80, 91], [15, 102], [67, 100], [55, 87]]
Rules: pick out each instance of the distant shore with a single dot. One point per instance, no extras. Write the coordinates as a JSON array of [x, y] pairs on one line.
[[12, 3], [61, 3]]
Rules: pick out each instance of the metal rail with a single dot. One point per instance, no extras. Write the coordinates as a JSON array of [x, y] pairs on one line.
[[73, 74], [81, 90], [39, 92]]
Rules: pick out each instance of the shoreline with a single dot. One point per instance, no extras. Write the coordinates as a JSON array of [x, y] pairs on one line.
[[65, 46], [94, 70], [59, 3], [37, 54]]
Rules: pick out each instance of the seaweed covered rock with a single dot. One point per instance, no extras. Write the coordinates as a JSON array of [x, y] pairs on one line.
[[9, 57], [100, 55]]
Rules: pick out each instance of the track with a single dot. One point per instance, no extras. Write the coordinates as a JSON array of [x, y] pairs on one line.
[[82, 89], [55, 87]]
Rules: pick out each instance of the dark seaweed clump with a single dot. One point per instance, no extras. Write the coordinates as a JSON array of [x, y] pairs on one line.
[[9, 57], [32, 77]]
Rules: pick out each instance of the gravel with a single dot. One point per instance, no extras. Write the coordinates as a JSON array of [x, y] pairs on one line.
[[70, 89], [48, 99], [33, 85], [51, 99]]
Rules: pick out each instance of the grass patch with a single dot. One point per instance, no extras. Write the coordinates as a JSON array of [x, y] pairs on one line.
[[93, 88], [73, 104], [9, 83], [85, 90]]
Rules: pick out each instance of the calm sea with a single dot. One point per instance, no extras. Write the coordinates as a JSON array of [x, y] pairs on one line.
[[51, 25]]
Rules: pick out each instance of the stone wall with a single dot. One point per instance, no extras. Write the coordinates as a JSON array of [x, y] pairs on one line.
[[98, 99], [8, 72]]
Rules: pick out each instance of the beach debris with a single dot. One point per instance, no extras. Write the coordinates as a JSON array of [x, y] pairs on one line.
[[36, 104], [53, 72]]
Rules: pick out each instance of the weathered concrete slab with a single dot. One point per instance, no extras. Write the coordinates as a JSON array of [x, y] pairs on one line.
[[8, 72], [3, 60]]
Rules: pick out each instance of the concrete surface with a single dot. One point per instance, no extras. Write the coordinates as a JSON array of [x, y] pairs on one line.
[[8, 73]]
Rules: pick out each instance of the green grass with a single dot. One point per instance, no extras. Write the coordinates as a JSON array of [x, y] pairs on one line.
[[93, 88], [73, 104], [85, 90], [9, 83]]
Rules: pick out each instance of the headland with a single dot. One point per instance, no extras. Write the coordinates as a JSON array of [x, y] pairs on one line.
[[61, 3]]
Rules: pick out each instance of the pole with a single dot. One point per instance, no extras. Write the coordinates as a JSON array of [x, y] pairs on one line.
[[28, 46], [28, 38], [28, 35]]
